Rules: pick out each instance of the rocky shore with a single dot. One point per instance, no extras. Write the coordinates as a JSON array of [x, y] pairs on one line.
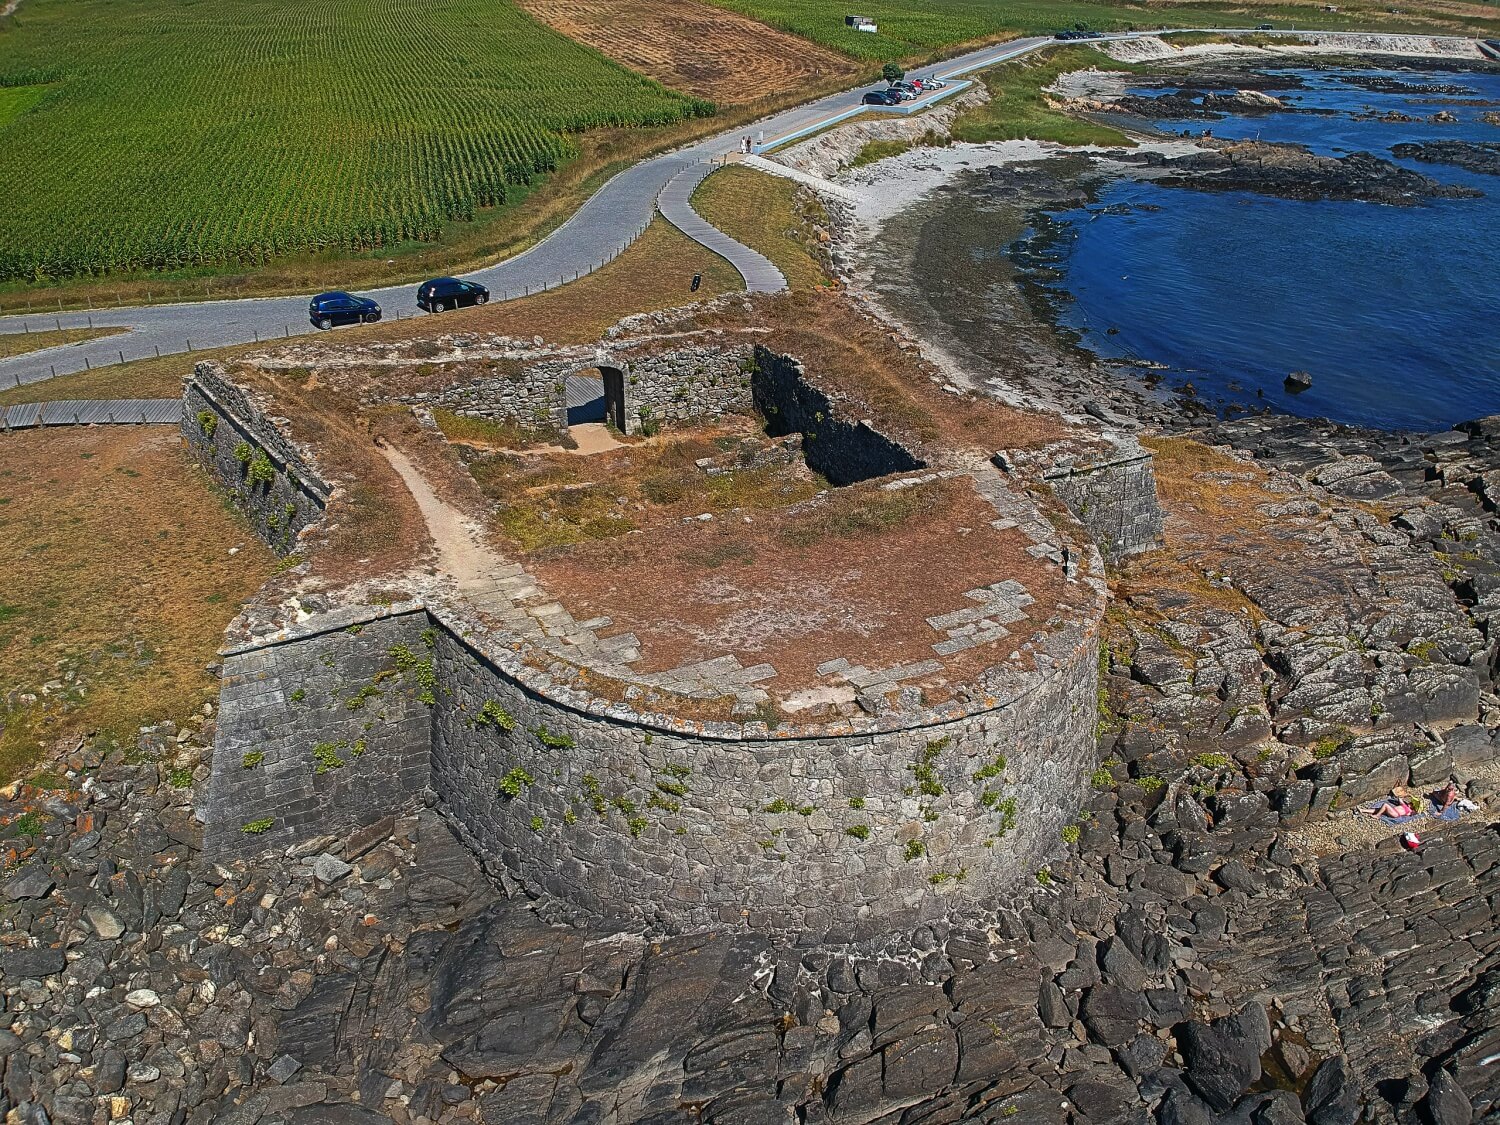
[[1476, 157]]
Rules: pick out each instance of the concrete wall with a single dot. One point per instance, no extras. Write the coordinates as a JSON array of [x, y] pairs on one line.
[[241, 448], [290, 710], [681, 831], [842, 450]]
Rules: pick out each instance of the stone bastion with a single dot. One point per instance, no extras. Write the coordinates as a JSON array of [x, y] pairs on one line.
[[679, 798]]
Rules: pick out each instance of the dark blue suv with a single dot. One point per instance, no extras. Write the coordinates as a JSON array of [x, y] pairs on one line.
[[327, 309], [443, 293]]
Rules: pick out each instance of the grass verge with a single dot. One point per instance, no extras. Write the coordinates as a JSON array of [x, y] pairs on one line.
[[116, 583], [769, 214], [1018, 107], [23, 343]]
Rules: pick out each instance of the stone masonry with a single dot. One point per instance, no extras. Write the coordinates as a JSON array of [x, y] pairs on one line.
[[648, 817], [247, 453], [1111, 489], [843, 451], [323, 731], [660, 388]]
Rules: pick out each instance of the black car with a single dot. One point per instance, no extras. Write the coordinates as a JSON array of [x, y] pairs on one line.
[[883, 97], [327, 309], [443, 293]]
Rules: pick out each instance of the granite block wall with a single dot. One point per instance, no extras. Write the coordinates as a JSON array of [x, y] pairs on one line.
[[247, 453], [687, 383], [845, 452], [1114, 497], [836, 837], [320, 732], [661, 388]]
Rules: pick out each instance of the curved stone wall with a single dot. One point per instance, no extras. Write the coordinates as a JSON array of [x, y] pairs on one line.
[[837, 836]]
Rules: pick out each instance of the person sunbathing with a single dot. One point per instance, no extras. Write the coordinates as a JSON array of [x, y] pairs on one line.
[[1446, 797], [1395, 806]]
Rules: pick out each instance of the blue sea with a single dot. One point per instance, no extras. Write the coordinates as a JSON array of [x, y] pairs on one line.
[[1394, 311]]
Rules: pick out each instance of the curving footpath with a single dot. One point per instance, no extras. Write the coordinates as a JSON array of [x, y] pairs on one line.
[[607, 223], [674, 203]]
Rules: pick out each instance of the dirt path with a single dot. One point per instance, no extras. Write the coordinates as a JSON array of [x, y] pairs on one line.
[[11, 6], [461, 555]]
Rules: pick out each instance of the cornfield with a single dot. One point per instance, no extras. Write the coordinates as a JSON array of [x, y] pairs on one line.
[[168, 134]]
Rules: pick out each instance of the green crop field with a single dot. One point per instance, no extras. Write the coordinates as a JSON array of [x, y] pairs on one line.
[[925, 28], [174, 134]]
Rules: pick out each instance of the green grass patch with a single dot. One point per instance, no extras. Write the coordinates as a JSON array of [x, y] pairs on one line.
[[879, 150], [1018, 108]]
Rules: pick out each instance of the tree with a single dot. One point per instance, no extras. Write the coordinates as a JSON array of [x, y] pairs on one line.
[[892, 73]]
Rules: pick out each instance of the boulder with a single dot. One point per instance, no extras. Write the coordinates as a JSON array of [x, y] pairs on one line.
[[1446, 1103], [1222, 1059], [1112, 1014]]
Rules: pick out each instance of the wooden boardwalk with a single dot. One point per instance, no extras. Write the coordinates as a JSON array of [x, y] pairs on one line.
[[92, 412]]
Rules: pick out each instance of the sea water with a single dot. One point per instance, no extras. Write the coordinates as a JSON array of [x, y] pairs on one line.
[[1393, 311]]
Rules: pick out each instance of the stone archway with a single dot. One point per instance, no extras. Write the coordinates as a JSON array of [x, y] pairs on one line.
[[596, 395], [614, 396]]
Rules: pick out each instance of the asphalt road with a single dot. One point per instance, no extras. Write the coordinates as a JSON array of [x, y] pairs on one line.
[[605, 225]]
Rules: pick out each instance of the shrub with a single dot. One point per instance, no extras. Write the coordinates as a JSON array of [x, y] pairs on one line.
[[208, 422], [858, 831], [252, 758], [180, 778], [1070, 833], [515, 782], [553, 741], [1211, 761], [326, 755], [243, 452], [493, 715], [914, 849], [256, 827], [1149, 783], [1101, 778], [261, 470], [536, 824], [856, 802]]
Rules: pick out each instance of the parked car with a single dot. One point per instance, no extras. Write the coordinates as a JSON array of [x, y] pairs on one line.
[[882, 97], [905, 87], [443, 293], [932, 83], [1263, 27], [337, 307]]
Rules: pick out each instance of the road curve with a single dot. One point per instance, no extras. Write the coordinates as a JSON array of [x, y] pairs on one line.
[[607, 223]]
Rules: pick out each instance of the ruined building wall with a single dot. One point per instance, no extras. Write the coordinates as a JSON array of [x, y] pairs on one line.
[[844, 451], [245, 451]]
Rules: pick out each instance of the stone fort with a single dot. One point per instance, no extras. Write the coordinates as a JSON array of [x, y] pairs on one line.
[[813, 790]]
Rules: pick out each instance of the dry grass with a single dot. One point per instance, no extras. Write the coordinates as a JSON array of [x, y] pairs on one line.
[[709, 52], [769, 214], [22, 343], [116, 583], [655, 273], [798, 586]]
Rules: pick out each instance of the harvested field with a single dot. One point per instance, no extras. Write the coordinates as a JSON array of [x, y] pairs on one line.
[[116, 583], [693, 47]]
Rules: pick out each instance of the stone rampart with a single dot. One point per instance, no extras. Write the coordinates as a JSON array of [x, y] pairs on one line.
[[1110, 487], [843, 451], [656, 820], [660, 388], [321, 731], [247, 453]]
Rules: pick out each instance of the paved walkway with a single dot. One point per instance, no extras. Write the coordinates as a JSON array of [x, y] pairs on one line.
[[92, 412], [674, 202], [599, 231]]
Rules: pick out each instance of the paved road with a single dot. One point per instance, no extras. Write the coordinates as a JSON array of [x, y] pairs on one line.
[[605, 225]]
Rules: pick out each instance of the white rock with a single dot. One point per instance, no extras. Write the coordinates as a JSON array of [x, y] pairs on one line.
[[142, 998]]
